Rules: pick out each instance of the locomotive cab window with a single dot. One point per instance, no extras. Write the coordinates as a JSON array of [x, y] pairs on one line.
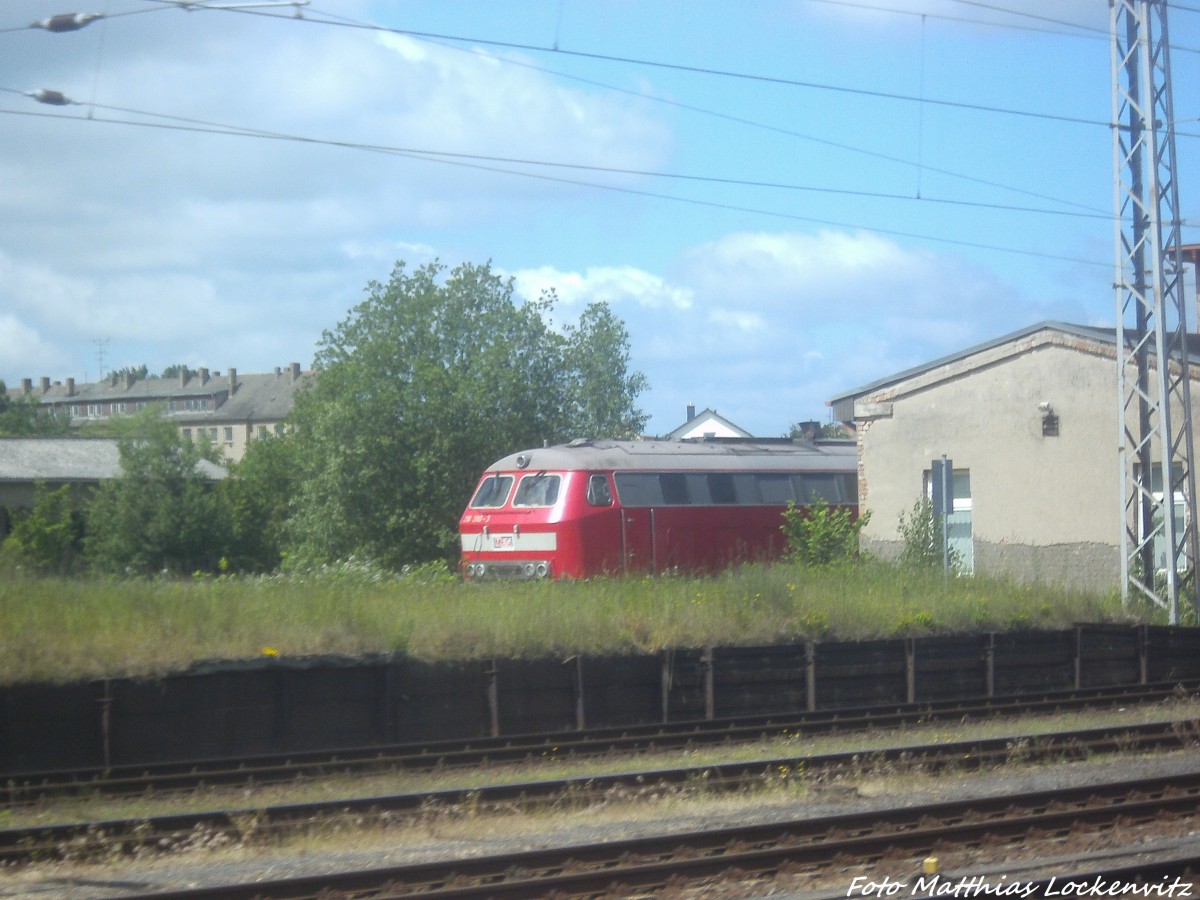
[[493, 492], [537, 490], [598, 491]]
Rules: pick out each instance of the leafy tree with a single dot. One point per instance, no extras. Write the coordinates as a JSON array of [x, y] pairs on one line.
[[601, 390], [22, 417], [811, 429], [428, 381], [49, 538], [138, 372], [256, 496], [161, 514]]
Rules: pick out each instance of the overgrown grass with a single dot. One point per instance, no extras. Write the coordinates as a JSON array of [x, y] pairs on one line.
[[62, 629]]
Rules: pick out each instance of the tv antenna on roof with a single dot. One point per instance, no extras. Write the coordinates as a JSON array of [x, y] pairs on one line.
[[101, 347]]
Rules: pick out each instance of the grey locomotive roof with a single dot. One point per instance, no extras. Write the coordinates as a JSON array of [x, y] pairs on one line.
[[685, 456], [58, 460]]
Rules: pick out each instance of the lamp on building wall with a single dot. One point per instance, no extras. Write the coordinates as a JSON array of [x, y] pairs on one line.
[[1049, 419]]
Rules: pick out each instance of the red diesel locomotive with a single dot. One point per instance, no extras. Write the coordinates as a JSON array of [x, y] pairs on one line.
[[592, 508]]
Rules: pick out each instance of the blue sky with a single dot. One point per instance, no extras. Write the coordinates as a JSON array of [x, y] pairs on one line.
[[782, 200]]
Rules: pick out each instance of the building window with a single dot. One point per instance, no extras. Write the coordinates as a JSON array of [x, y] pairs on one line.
[[95, 410], [118, 406], [262, 432], [959, 524], [279, 428], [187, 434], [229, 435]]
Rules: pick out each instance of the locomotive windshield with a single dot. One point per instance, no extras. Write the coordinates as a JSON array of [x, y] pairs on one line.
[[493, 492], [537, 490]]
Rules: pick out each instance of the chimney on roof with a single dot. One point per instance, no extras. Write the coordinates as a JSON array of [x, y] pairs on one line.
[[26, 386], [278, 371], [183, 376], [691, 411], [45, 384], [203, 375], [70, 387], [129, 380], [232, 381], [295, 370]]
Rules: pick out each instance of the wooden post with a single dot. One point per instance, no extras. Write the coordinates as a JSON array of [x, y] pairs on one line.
[[910, 669], [810, 675], [577, 690], [1078, 657], [667, 657], [989, 663], [493, 696], [706, 668], [106, 725], [1144, 652]]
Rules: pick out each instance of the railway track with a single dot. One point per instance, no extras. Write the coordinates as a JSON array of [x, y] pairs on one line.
[[30, 787], [818, 851], [165, 833]]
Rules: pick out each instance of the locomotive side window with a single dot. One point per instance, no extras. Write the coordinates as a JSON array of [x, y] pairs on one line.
[[638, 489], [825, 486], [728, 489], [775, 489], [493, 492], [598, 491], [537, 490], [675, 489], [720, 488], [849, 487]]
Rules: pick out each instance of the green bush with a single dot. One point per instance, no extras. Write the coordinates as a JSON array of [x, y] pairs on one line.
[[50, 537], [921, 532], [820, 534]]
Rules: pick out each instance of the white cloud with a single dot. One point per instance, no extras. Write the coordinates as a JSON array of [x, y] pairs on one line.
[[781, 322], [175, 244], [767, 326], [618, 286], [24, 350]]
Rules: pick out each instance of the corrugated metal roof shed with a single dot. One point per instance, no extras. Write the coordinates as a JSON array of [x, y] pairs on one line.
[[31, 459]]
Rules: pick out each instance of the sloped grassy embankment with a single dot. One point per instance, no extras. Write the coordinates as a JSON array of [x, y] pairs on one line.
[[66, 629]]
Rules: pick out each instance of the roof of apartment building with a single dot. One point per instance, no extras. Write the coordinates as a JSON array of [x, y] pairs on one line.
[[235, 397]]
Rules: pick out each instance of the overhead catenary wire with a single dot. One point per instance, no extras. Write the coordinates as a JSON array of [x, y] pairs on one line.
[[219, 128], [336, 20], [427, 153], [478, 163]]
